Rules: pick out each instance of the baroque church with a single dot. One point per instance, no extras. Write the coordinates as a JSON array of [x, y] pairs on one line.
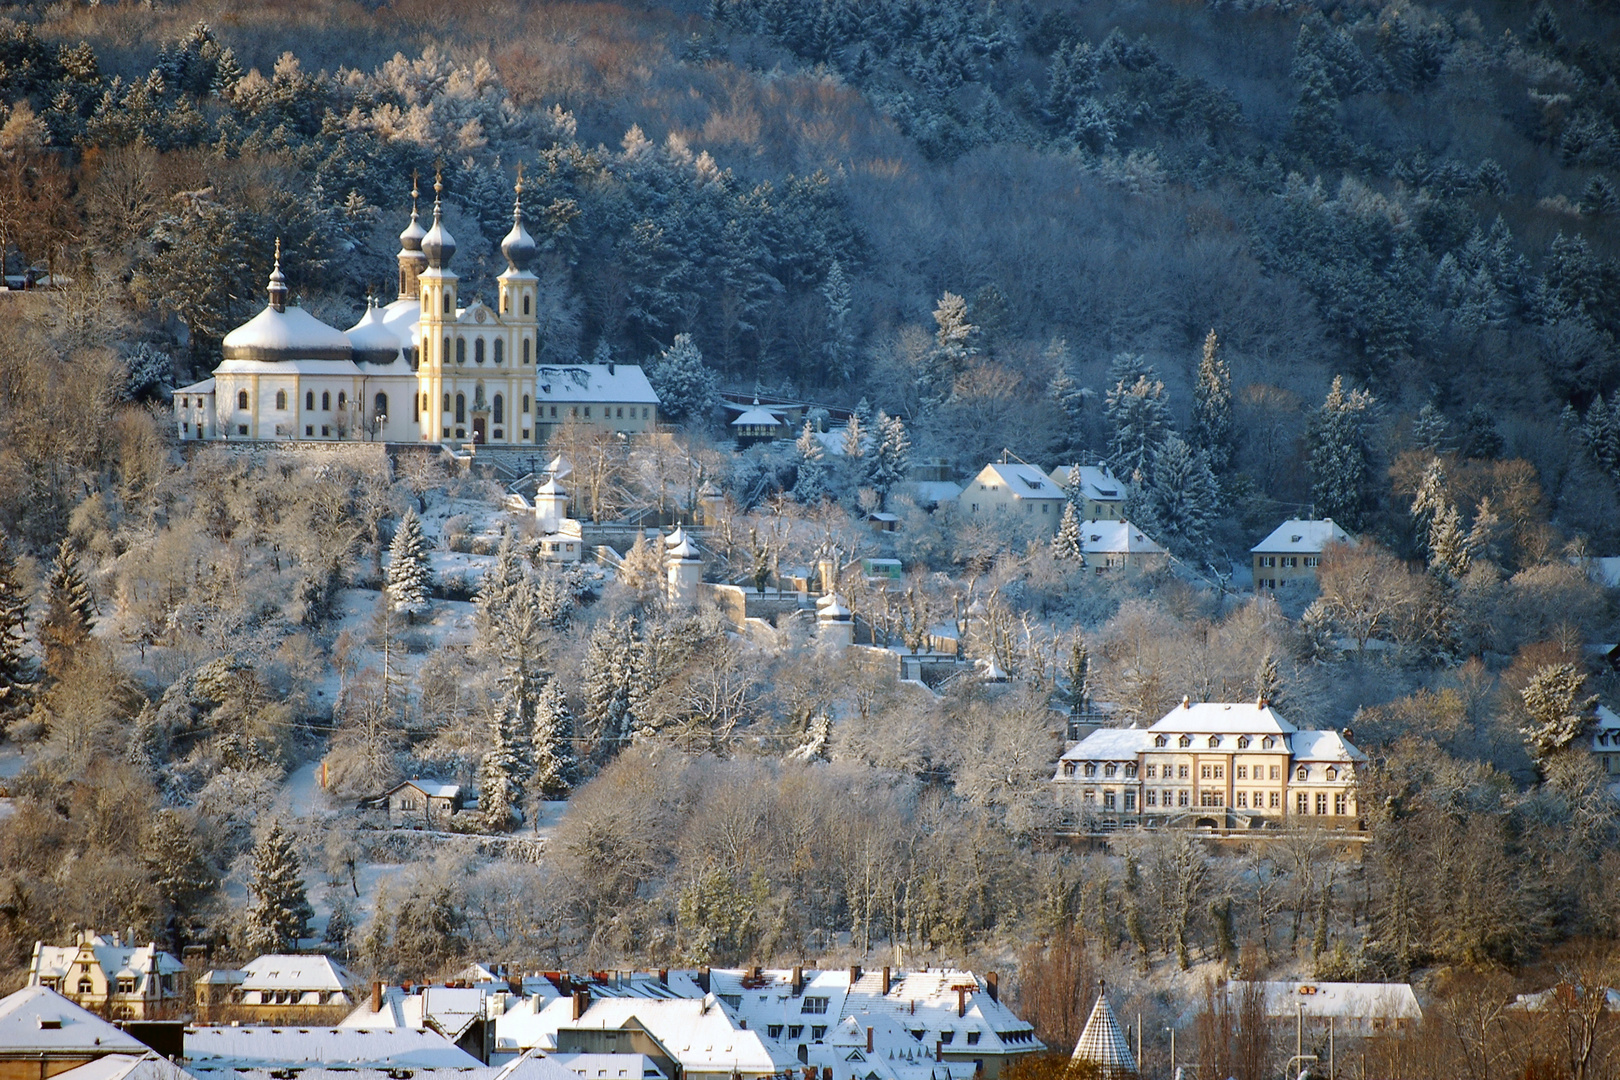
[[423, 368]]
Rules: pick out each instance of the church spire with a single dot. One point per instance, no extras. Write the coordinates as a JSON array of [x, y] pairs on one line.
[[518, 246], [438, 245], [278, 283], [411, 259]]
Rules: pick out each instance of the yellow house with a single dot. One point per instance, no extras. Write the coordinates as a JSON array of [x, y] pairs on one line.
[[1013, 492], [1293, 551], [111, 976], [1100, 496]]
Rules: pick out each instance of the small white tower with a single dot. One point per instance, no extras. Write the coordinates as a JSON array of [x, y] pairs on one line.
[[684, 568], [550, 505], [835, 624], [713, 503]]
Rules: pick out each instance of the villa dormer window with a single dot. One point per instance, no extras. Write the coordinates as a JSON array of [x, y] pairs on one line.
[[1243, 742], [1267, 743], [1301, 773], [1091, 768], [1214, 741], [1110, 769], [1332, 773], [1160, 740], [1068, 768], [1184, 742], [1130, 770]]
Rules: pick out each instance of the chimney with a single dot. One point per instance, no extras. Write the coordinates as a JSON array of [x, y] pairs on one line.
[[992, 985], [582, 1001], [885, 980], [798, 980], [868, 1040], [939, 1050], [376, 996], [703, 978], [514, 984], [854, 975], [756, 972], [663, 976], [961, 1001]]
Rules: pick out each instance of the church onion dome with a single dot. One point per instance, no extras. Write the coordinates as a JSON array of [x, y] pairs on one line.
[[280, 332], [518, 247], [410, 241], [438, 245], [373, 342]]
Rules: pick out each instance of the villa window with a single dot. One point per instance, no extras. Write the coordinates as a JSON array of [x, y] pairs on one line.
[[86, 986], [1130, 800], [814, 1005], [1340, 804], [1301, 773], [1130, 770], [126, 985], [1091, 768], [1110, 769], [1181, 797], [1276, 800], [1332, 773], [1214, 741], [1160, 740], [1302, 803], [1267, 743], [241, 399], [1242, 772], [1182, 772], [1152, 797], [1068, 768], [1243, 742], [1152, 771], [1206, 772], [1242, 799], [1275, 773]]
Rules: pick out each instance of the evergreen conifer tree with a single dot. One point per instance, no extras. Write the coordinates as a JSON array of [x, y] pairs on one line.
[[1268, 682], [1212, 428], [410, 576], [858, 431], [1066, 546], [1450, 554], [1556, 713], [1185, 496], [501, 772], [1138, 415], [556, 765], [1079, 674], [810, 486], [609, 674], [840, 346], [890, 459], [1341, 457], [1479, 437], [1431, 429], [685, 385], [69, 611], [279, 914], [17, 673]]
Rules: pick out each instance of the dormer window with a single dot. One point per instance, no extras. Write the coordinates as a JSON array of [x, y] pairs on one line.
[[1130, 770], [1267, 743], [1214, 741], [1068, 768], [1160, 741], [1184, 742], [1243, 742], [1332, 773], [1110, 769], [1301, 773], [1091, 768]]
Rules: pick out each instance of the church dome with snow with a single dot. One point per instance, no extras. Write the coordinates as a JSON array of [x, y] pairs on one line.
[[372, 339], [280, 332]]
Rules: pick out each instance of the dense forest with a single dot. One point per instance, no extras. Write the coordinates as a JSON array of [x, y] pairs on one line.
[[1263, 257]]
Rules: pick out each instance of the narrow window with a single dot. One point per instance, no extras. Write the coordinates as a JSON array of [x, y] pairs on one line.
[[461, 350], [382, 404], [461, 408], [416, 408], [326, 401], [500, 350], [343, 401], [241, 399], [525, 303], [525, 350], [498, 412], [478, 351], [447, 303], [281, 399], [309, 400], [525, 403], [447, 403], [444, 356]]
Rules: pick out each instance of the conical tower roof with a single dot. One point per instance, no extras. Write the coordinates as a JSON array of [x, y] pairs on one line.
[[1103, 1044]]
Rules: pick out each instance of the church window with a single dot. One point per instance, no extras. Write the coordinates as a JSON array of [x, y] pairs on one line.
[[525, 402], [444, 356], [525, 350], [241, 399], [241, 429], [343, 401], [447, 303], [461, 408], [309, 400], [461, 350], [416, 407], [447, 403], [498, 413], [326, 401], [500, 350], [525, 303], [478, 351], [382, 404], [281, 399]]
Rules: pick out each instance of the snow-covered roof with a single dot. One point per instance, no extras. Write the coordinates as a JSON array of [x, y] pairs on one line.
[[1387, 1001], [1297, 535], [1551, 996], [1102, 1043], [1109, 744], [372, 339], [292, 334], [215, 1048], [318, 367], [611, 1066], [758, 416], [204, 387], [1223, 718], [1096, 482], [699, 1032], [115, 960], [1105, 537], [1605, 729], [1323, 746], [1024, 481], [433, 789], [147, 1066], [277, 971], [449, 1010], [934, 491], [593, 383], [401, 318], [35, 1020]]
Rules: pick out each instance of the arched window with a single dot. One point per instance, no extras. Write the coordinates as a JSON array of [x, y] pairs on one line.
[[1160, 740], [498, 413], [444, 356], [241, 399], [478, 351], [309, 400], [500, 350], [525, 350], [447, 403], [416, 406], [525, 303], [1301, 773], [343, 401], [525, 402], [461, 350], [281, 399], [326, 401], [447, 303], [1214, 741], [1184, 742], [382, 404], [461, 408]]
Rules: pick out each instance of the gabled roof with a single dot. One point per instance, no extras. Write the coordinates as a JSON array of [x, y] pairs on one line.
[[1023, 481], [147, 1066], [276, 971], [434, 789], [1103, 1044], [115, 961], [1110, 744], [1223, 718], [594, 382], [1096, 482], [758, 416], [449, 1010], [1106, 537], [1301, 536], [214, 1048], [204, 387], [36, 1021], [1323, 746]]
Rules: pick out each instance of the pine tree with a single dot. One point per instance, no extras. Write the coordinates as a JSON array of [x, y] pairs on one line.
[[1079, 674], [890, 459], [501, 771], [1479, 437], [1430, 429], [1341, 457], [1185, 496], [840, 346], [1138, 414], [69, 611], [1599, 199], [498, 590], [1556, 712], [556, 766], [1431, 495], [810, 485], [1268, 682], [410, 576], [953, 347], [280, 913], [609, 674], [1212, 427], [17, 671], [1450, 554], [1066, 545], [685, 385]]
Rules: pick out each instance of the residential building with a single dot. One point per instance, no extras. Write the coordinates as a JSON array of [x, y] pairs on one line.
[[422, 803], [43, 1034], [280, 988], [424, 368], [227, 1050], [1211, 764], [1355, 1009], [111, 976], [1119, 545], [459, 1013], [1101, 497], [1293, 551], [1014, 492], [1605, 738], [758, 424]]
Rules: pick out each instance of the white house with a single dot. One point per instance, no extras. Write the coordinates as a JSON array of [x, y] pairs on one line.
[[278, 986], [1120, 545], [1354, 1008], [1014, 492]]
